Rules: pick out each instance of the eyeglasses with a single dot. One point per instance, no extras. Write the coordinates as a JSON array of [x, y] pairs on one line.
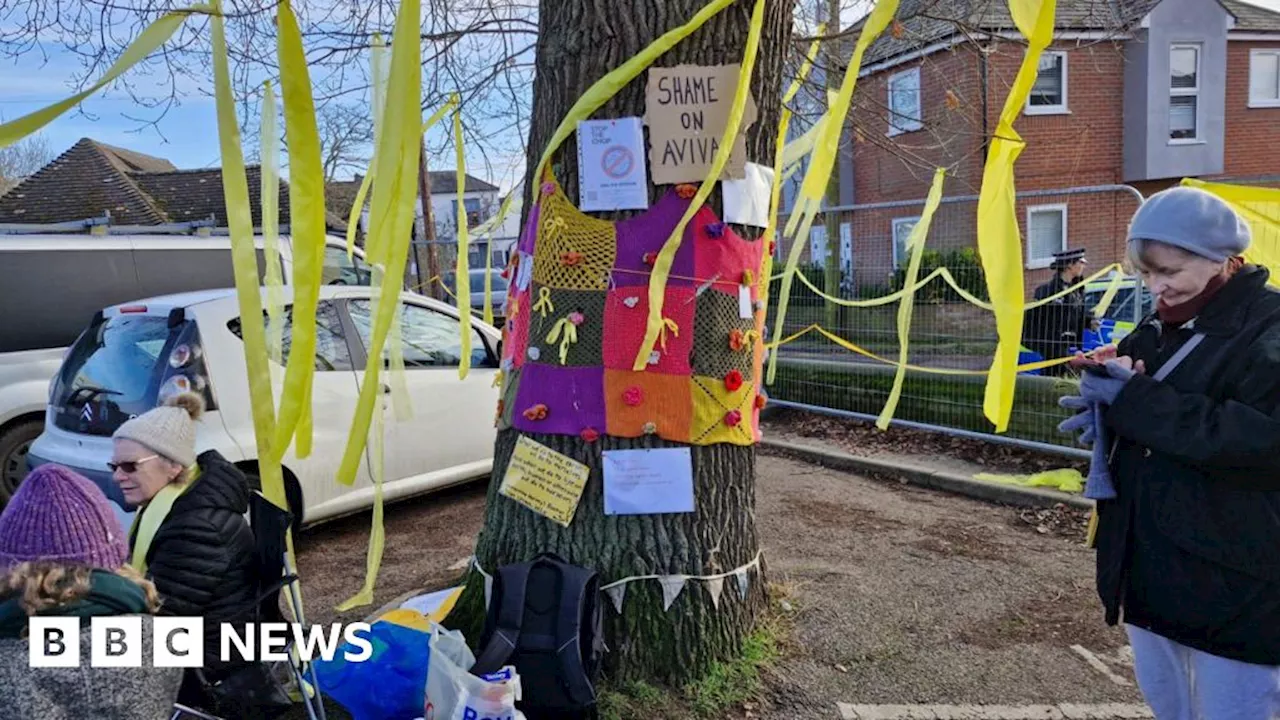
[[130, 466]]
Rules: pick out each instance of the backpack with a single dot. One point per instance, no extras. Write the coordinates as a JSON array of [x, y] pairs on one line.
[[545, 618]]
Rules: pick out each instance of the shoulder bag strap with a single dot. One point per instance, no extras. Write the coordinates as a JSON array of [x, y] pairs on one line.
[[509, 586], [1178, 357]]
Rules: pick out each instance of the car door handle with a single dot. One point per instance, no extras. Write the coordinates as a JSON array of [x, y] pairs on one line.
[[386, 389]]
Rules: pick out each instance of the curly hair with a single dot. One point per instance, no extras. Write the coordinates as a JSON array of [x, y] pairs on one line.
[[44, 584]]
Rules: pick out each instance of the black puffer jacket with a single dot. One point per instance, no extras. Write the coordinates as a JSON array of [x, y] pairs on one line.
[[202, 558], [1190, 548]]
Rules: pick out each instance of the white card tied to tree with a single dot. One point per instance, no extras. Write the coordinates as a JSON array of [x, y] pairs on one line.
[[611, 174], [687, 108], [648, 482]]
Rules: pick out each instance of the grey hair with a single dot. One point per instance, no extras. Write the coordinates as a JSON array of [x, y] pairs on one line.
[[1135, 259]]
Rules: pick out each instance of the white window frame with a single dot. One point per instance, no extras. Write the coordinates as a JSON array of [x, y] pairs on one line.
[[1038, 263], [893, 238], [1186, 92], [1257, 102], [1060, 109], [898, 124]]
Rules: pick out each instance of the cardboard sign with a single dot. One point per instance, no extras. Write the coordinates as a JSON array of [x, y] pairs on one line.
[[544, 481], [611, 173], [686, 109]]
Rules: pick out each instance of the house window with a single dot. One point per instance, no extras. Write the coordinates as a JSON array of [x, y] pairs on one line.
[[1049, 94], [902, 228], [905, 114], [472, 206], [1184, 93], [1046, 234], [1264, 78]]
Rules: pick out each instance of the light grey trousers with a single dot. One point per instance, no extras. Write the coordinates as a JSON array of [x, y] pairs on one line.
[[1181, 683]]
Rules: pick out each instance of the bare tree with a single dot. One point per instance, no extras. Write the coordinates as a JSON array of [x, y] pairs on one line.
[[21, 160], [346, 138]]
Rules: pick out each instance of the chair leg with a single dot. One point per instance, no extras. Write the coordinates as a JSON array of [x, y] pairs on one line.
[[180, 710]]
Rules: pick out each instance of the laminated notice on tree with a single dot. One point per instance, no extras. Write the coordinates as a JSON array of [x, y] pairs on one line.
[[687, 108], [544, 481]]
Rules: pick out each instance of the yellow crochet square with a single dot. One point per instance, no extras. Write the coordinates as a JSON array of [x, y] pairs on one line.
[[714, 409], [573, 251]]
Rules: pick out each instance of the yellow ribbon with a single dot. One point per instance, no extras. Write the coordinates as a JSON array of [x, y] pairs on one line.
[[270, 224], [462, 271], [378, 80], [915, 246], [667, 324], [1260, 208], [662, 266], [570, 335], [999, 240], [544, 304]]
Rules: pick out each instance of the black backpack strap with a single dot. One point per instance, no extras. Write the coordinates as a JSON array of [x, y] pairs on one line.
[[569, 629], [508, 597]]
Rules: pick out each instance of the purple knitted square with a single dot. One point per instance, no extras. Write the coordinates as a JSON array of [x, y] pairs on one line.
[[645, 235], [573, 398], [530, 236]]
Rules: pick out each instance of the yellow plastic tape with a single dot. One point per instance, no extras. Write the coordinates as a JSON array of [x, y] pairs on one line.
[[915, 247], [1108, 297], [488, 279], [270, 204], [662, 266], [156, 34], [1065, 480], [999, 242], [1260, 208], [463, 272], [378, 79], [814, 188]]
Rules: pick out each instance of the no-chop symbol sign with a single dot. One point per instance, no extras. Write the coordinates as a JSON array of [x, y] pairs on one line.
[[617, 162]]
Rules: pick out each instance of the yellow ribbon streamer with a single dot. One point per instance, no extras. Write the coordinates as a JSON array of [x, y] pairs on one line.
[[377, 72], [662, 266], [667, 325], [462, 271], [149, 519], [270, 204], [1110, 295], [915, 247], [999, 241], [488, 279], [544, 304], [156, 34], [1260, 208], [826, 148], [570, 336]]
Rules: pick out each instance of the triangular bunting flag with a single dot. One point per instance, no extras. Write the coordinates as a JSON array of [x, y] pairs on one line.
[[715, 586], [616, 593], [488, 590], [742, 582], [671, 587]]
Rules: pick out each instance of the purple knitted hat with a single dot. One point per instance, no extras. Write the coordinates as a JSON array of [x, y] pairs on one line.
[[59, 515]]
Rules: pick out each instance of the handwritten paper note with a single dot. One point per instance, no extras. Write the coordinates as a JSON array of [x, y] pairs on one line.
[[687, 108], [544, 481], [648, 482]]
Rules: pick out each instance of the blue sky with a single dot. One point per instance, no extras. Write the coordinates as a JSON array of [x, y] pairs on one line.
[[187, 134]]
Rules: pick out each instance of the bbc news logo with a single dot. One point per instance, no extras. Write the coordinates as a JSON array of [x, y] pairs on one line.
[[179, 642]]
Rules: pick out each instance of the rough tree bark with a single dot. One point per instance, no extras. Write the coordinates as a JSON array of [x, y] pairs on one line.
[[579, 42]]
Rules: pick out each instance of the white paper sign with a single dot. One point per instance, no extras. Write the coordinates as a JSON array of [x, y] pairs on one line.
[[648, 482], [611, 171], [746, 201]]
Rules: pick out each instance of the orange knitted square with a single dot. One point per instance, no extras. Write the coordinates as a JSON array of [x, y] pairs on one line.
[[721, 414], [626, 317], [648, 403]]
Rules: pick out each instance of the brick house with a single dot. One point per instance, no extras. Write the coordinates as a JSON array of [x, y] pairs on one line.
[[1132, 92]]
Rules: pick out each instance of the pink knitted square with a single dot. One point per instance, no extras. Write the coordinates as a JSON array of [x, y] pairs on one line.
[[626, 317], [719, 251]]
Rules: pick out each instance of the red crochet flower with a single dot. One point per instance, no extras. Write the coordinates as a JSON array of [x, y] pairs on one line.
[[686, 191], [537, 412], [760, 401], [590, 435], [733, 380], [650, 258], [733, 418], [633, 396]]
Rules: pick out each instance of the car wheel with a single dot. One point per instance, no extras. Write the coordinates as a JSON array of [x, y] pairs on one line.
[[14, 445]]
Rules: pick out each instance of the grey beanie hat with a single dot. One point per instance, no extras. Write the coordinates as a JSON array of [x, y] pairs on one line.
[[1194, 220], [169, 430]]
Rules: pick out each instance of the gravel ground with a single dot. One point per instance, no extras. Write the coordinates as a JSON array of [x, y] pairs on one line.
[[898, 594]]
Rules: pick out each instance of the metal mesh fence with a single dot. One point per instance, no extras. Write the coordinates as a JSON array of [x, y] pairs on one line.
[[952, 337]]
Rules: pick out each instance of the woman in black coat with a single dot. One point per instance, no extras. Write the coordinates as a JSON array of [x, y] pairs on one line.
[[1188, 549], [191, 537]]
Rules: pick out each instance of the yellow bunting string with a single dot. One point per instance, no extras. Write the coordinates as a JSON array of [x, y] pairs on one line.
[[462, 272], [915, 248], [999, 240], [662, 265]]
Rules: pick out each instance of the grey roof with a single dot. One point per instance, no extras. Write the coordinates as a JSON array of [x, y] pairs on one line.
[[1253, 18]]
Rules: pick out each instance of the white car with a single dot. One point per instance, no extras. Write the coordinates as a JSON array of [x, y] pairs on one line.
[[134, 355]]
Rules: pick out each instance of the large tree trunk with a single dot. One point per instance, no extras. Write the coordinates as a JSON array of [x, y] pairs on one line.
[[580, 41]]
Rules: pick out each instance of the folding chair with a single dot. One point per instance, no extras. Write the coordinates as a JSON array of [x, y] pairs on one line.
[[270, 526]]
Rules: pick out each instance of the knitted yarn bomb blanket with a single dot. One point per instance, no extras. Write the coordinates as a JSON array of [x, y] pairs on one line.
[[578, 308]]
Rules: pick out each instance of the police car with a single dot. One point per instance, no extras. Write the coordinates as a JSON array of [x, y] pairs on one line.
[[1118, 321]]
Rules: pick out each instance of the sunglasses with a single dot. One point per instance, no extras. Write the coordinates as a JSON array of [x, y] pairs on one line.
[[130, 466]]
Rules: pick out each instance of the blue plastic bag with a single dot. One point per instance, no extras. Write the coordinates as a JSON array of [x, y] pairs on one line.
[[397, 668]]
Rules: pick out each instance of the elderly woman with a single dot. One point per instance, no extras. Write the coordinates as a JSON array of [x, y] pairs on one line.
[[62, 554], [1188, 541], [190, 536]]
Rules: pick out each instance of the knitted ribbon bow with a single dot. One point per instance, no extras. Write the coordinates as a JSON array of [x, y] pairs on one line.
[[667, 324], [544, 304], [566, 332]]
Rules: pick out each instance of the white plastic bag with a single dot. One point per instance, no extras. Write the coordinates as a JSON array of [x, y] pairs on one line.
[[453, 693]]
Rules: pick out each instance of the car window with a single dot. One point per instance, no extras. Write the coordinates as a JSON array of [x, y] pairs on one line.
[[430, 339], [497, 284], [332, 353], [340, 270]]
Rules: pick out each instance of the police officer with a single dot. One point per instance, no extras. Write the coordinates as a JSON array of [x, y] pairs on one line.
[[1054, 328]]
